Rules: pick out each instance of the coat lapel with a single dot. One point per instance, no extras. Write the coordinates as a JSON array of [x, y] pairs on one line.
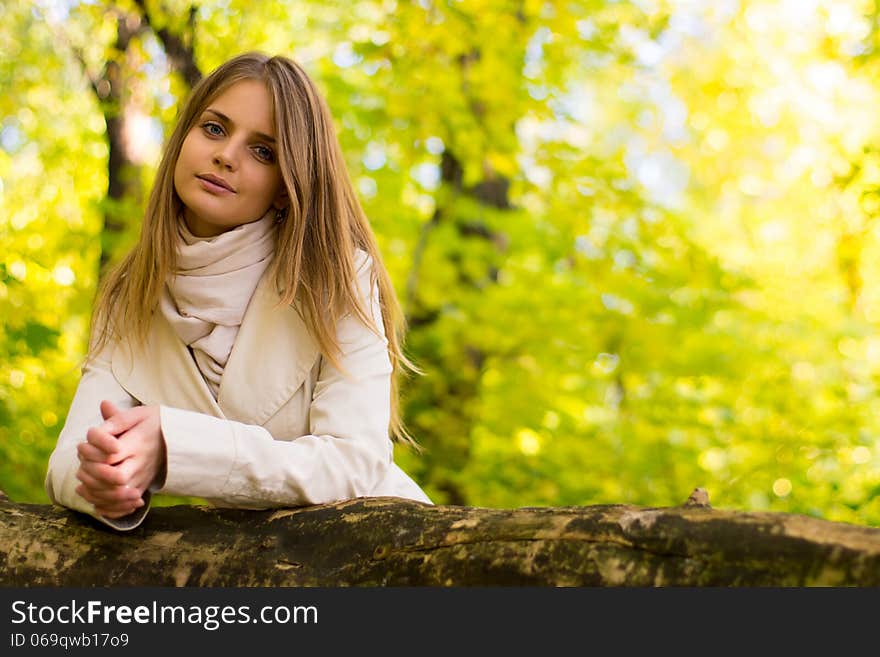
[[271, 358], [162, 371]]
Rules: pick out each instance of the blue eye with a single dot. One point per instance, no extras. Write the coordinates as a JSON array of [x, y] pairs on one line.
[[264, 153], [213, 129]]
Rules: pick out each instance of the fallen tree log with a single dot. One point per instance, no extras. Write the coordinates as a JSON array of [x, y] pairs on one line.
[[394, 542]]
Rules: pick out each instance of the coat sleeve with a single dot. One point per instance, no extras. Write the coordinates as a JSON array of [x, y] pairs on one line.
[[345, 455], [97, 383]]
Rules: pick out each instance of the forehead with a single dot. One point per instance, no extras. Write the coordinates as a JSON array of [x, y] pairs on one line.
[[248, 104]]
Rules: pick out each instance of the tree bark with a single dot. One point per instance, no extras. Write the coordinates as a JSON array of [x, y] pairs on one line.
[[123, 172], [394, 542]]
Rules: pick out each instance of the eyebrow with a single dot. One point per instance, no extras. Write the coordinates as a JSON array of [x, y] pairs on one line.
[[226, 119]]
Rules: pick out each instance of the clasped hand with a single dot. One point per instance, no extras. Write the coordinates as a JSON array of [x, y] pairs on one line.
[[120, 459]]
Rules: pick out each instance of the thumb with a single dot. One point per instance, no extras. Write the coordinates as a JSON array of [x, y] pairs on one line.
[[108, 409]]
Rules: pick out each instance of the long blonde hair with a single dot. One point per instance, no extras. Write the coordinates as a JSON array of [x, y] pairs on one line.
[[316, 239]]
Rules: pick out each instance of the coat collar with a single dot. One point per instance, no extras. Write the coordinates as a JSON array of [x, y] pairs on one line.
[[270, 359]]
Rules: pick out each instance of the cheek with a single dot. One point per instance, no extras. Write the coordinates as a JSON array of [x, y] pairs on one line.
[[189, 152], [181, 164], [263, 182], [273, 184], [177, 178]]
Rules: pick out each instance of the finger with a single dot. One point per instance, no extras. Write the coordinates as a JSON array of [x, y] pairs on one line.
[[117, 509], [108, 502], [123, 421], [105, 491], [135, 441], [103, 440], [111, 497], [145, 462], [88, 452], [108, 409], [105, 473], [93, 483]]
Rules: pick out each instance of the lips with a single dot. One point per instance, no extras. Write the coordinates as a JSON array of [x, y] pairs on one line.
[[217, 181]]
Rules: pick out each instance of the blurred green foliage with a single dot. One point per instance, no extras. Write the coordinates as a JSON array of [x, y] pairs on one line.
[[675, 289]]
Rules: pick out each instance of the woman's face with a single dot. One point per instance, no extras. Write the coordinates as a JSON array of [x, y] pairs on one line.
[[227, 173]]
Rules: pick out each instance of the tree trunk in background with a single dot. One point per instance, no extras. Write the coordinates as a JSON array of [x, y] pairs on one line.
[[179, 47], [125, 197], [459, 386], [392, 542], [123, 175]]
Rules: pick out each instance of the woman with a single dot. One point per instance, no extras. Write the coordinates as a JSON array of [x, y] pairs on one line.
[[247, 349]]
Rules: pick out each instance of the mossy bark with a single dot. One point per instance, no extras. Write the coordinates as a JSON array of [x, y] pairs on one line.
[[393, 542]]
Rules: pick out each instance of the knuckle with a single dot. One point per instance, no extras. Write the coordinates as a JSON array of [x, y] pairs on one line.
[[99, 471]]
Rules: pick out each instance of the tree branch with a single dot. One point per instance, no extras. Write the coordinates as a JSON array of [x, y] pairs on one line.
[[394, 542], [180, 54]]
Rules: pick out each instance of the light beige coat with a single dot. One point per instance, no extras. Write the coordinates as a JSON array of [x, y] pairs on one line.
[[287, 427]]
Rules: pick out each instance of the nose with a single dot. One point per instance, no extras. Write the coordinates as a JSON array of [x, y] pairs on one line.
[[224, 157]]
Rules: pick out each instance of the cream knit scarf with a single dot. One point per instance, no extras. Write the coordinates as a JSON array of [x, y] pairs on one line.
[[216, 277]]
